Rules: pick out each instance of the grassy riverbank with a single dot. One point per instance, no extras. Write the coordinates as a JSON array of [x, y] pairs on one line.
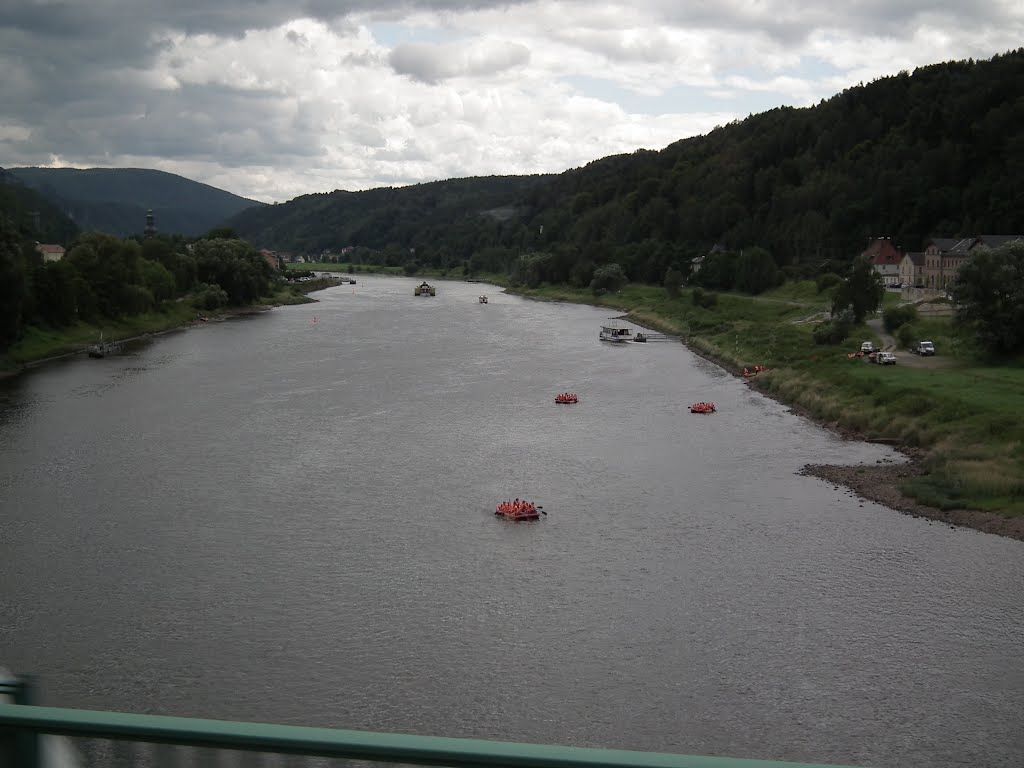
[[958, 421], [41, 343]]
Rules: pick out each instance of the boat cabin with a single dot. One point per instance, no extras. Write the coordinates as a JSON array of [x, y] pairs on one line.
[[616, 333]]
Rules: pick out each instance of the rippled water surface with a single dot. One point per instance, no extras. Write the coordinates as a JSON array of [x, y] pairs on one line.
[[284, 520]]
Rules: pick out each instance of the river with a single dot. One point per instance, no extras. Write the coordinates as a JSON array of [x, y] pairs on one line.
[[288, 518]]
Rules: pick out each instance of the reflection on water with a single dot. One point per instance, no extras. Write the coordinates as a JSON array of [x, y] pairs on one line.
[[279, 520]]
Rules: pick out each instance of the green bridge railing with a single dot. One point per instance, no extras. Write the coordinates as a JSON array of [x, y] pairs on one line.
[[160, 740]]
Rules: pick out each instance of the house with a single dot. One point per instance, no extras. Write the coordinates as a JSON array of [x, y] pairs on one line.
[[885, 259], [910, 271], [50, 252], [696, 263], [271, 258], [995, 241], [942, 258]]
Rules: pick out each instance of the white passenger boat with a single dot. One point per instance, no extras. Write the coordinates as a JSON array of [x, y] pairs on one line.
[[616, 333]]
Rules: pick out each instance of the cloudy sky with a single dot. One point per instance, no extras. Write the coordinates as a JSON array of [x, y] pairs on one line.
[[271, 99]]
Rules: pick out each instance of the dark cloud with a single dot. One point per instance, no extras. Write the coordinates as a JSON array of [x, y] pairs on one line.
[[114, 18]]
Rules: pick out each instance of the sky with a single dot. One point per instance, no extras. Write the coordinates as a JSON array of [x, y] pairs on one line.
[[271, 99]]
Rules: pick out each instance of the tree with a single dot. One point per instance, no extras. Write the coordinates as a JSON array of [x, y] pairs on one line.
[[221, 233], [717, 272], [861, 292], [673, 282], [895, 318], [989, 298], [608, 279], [531, 269], [235, 266], [13, 287], [55, 285], [158, 280], [756, 271]]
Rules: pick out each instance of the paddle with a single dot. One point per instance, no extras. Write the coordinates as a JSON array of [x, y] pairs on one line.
[[540, 509]]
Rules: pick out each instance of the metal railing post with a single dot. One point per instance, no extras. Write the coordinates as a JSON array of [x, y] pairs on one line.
[[27, 750]]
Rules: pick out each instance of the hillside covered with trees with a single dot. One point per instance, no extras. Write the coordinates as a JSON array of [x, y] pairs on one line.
[[115, 200], [32, 216], [424, 216], [939, 152]]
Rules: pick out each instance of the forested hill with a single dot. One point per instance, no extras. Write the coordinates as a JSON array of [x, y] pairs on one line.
[[426, 216], [939, 152], [115, 200], [35, 218]]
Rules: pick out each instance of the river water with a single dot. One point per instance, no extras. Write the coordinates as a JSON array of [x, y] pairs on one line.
[[288, 518]]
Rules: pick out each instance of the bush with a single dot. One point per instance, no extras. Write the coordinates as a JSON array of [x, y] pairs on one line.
[[209, 297], [897, 317], [702, 298], [827, 280], [608, 279], [907, 335], [673, 282], [835, 331]]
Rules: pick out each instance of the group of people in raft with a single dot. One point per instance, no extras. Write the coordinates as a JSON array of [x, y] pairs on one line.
[[702, 408], [517, 508], [757, 370], [567, 397]]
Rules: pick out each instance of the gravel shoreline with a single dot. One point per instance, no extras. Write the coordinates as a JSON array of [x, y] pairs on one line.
[[880, 483]]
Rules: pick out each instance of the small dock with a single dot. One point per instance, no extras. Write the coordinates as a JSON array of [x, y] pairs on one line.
[[643, 337]]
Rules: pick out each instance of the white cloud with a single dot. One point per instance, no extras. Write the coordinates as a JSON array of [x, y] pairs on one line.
[[431, 63], [281, 99]]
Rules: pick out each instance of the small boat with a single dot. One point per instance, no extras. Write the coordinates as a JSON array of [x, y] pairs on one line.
[[424, 289], [483, 299], [567, 398], [640, 338], [615, 333], [702, 408], [103, 348], [517, 510]]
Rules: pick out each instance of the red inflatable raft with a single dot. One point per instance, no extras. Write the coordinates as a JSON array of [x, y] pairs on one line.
[[517, 510]]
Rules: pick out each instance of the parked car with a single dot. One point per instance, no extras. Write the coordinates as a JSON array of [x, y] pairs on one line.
[[867, 347], [885, 358], [924, 348]]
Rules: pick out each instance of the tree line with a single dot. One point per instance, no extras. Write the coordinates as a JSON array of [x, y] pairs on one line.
[[102, 277]]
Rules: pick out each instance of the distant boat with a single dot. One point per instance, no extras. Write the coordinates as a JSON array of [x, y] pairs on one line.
[[483, 299], [424, 289], [615, 333], [103, 348]]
